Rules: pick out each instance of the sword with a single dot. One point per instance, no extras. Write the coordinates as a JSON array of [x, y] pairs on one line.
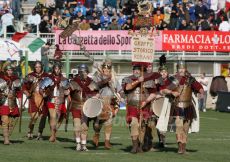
[[67, 114], [20, 118]]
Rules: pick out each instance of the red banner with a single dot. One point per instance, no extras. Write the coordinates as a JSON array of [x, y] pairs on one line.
[[196, 41]]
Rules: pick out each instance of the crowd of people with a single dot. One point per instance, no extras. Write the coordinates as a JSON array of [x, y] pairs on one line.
[[49, 15]]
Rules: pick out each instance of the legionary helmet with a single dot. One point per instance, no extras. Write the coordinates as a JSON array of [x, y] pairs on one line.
[[107, 63], [58, 65], [83, 68], [136, 67], [38, 63], [8, 67], [181, 64], [163, 67]]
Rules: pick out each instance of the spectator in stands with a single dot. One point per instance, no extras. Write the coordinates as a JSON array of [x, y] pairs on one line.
[[7, 22], [183, 25], [54, 19], [45, 26], [200, 10], [92, 17], [162, 25], [105, 20], [33, 21], [203, 24], [173, 17], [181, 14], [84, 25], [191, 10], [167, 13], [95, 25], [114, 16], [80, 15], [158, 8], [80, 8], [224, 25], [15, 6], [5, 5], [66, 13], [157, 17], [191, 26], [114, 25], [127, 25], [122, 19], [90, 3]]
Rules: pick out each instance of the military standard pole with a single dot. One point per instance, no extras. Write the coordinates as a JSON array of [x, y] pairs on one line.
[[26, 62], [67, 65]]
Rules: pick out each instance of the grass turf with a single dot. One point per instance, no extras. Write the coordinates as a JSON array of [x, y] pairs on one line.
[[210, 145]]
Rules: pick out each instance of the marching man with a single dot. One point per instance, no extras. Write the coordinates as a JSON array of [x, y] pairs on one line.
[[81, 90], [10, 91], [37, 105], [109, 90], [55, 92]]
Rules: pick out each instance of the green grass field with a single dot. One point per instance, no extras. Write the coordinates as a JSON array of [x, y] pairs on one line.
[[212, 144]]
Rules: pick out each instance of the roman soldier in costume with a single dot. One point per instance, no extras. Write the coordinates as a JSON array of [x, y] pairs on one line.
[[109, 91], [138, 113], [10, 91], [168, 89], [55, 89], [80, 87], [37, 105], [182, 108]]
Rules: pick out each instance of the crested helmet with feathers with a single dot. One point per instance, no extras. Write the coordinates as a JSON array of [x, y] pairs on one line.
[[163, 63]]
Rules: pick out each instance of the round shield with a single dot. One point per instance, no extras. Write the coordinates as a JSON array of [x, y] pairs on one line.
[[92, 107], [157, 106]]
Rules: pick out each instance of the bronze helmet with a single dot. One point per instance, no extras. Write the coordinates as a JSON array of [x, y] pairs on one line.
[[181, 64]]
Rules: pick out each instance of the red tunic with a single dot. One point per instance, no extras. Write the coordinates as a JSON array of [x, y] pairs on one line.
[[133, 110], [27, 86], [50, 102], [86, 93], [4, 109]]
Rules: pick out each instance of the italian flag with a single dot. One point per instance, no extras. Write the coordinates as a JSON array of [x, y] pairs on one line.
[[28, 40], [227, 4]]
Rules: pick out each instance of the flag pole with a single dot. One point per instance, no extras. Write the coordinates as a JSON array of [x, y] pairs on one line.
[[26, 62]]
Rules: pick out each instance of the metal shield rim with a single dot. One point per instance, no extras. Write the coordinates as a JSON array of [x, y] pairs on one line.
[[84, 105]]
